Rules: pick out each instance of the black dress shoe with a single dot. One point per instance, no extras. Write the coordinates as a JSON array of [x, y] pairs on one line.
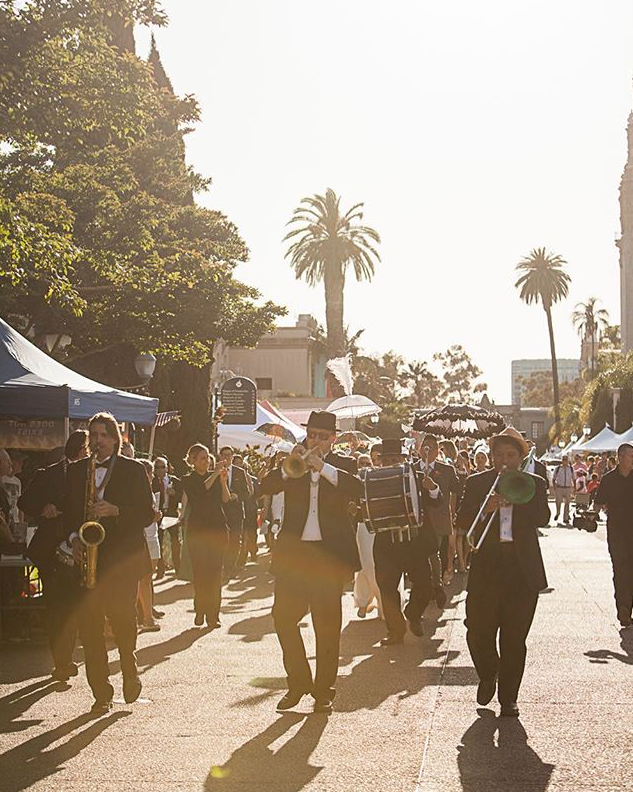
[[290, 700], [322, 706], [415, 625], [199, 620], [486, 691], [63, 673], [213, 622], [101, 707], [131, 689], [440, 597], [509, 710], [157, 614], [392, 640]]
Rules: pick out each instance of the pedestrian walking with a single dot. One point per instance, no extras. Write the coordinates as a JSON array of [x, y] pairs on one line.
[[564, 479]]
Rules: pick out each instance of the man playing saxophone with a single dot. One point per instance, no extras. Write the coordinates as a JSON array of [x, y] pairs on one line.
[[113, 491]]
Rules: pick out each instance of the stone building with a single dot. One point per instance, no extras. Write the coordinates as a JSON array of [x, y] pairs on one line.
[[625, 244]]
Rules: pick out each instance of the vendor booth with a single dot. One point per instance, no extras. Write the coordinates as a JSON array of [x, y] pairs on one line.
[[39, 397]]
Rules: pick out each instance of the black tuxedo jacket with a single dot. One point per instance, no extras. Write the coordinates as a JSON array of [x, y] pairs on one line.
[[174, 500], [48, 485], [526, 519], [124, 549], [235, 509], [338, 536]]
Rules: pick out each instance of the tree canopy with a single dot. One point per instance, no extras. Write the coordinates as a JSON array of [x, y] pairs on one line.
[[99, 233]]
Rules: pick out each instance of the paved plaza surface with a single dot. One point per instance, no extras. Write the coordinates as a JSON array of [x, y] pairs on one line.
[[405, 717]]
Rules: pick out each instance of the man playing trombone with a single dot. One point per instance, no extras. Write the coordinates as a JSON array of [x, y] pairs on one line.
[[507, 570]]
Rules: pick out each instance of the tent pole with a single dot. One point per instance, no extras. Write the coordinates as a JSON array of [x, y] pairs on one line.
[[151, 440], [66, 428]]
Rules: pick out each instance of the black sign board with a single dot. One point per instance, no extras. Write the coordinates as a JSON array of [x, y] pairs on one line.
[[239, 399]]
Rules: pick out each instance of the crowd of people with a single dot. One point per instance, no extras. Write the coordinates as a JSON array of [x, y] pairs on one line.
[[208, 523]]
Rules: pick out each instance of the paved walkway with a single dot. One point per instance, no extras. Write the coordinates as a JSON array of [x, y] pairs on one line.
[[405, 718]]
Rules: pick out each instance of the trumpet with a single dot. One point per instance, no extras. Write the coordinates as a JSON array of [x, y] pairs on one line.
[[91, 533], [295, 465], [514, 486]]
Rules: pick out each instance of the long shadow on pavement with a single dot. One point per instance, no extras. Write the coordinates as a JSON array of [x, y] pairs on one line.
[[255, 765], [172, 594], [507, 762], [24, 661], [604, 655], [149, 656], [26, 764], [19, 701]]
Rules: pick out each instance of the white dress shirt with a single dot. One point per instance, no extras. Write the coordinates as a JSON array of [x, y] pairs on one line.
[[505, 524], [434, 493], [312, 529]]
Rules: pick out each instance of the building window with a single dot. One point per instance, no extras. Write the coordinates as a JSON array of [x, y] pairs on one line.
[[264, 383], [538, 429]]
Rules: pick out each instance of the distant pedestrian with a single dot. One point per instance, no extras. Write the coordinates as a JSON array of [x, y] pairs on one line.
[[615, 495], [563, 488]]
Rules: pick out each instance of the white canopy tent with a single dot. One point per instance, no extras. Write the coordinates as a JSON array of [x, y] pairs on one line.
[[605, 440], [626, 437], [241, 435]]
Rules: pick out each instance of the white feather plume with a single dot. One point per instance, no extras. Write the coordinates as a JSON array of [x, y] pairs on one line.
[[341, 367]]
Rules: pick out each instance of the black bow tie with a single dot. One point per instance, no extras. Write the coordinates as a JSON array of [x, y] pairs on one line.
[[104, 464]]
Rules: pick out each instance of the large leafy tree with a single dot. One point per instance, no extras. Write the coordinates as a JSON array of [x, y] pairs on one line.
[[589, 321], [543, 279], [325, 241], [459, 376], [99, 232], [425, 386]]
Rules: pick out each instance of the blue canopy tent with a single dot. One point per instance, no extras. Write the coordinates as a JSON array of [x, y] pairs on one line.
[[34, 385]]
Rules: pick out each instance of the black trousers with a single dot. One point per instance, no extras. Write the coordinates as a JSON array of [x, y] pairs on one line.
[[115, 597], [206, 553], [60, 592], [310, 582], [392, 559], [234, 546], [249, 534], [620, 543], [500, 603]]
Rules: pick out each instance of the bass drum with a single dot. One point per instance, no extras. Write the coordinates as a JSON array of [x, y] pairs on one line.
[[390, 498]]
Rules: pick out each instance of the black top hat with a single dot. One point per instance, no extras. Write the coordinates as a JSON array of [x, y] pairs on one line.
[[392, 446], [321, 419]]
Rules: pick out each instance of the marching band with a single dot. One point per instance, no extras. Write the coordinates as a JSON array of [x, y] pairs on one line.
[[389, 518]]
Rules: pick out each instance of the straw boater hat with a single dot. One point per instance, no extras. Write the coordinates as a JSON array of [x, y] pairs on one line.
[[510, 435]]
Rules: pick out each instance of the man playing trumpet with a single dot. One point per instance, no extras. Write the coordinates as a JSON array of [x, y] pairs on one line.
[[506, 573], [314, 553]]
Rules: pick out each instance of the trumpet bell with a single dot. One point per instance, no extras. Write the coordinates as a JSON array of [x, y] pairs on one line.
[[294, 466], [516, 487]]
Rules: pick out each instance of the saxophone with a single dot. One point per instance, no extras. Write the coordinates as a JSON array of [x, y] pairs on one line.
[[91, 533]]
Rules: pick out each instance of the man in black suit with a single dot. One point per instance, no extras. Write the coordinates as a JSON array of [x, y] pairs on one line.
[[124, 506], [44, 502], [234, 511], [506, 574], [315, 551], [249, 531], [170, 489], [394, 558]]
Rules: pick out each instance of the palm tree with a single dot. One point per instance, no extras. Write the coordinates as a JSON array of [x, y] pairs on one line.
[[544, 280], [425, 386], [588, 321], [328, 241]]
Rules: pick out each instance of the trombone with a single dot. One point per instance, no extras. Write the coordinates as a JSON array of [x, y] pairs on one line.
[[514, 486]]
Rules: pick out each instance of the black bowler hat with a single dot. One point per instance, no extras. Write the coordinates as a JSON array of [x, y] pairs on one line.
[[393, 446], [322, 419]]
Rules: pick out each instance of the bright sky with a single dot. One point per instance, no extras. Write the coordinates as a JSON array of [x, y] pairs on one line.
[[472, 131]]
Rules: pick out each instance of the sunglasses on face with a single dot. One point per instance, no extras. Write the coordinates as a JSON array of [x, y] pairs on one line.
[[313, 434]]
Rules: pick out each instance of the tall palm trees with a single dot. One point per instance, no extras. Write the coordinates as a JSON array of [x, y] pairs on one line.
[[588, 320], [326, 241], [543, 279]]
